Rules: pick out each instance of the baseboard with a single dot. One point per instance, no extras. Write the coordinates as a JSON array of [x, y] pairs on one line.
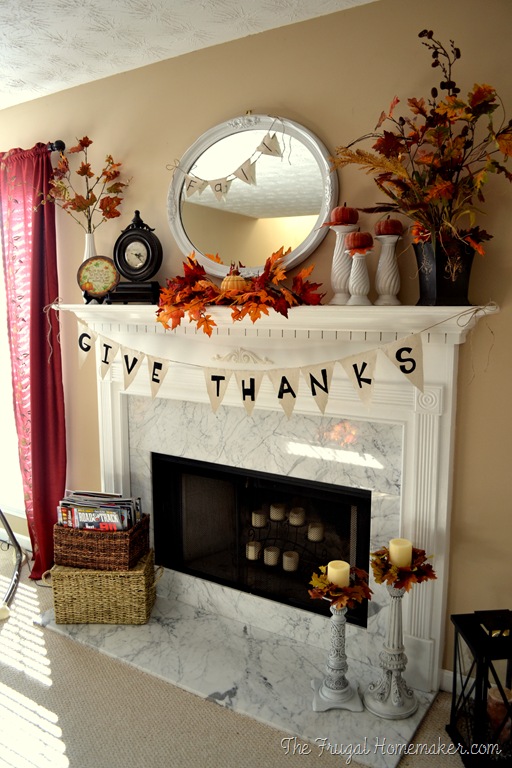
[[446, 681], [23, 541]]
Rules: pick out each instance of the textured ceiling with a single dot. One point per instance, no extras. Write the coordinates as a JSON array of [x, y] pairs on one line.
[[47, 46]]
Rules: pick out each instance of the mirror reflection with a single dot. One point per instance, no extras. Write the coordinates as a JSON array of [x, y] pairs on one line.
[[249, 187]]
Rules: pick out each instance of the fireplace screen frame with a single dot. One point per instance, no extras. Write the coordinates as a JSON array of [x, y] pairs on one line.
[[170, 475]]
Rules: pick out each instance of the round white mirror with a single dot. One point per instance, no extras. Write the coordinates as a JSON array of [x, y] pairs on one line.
[[247, 188]]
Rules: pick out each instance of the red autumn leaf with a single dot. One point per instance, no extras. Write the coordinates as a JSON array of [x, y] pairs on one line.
[[389, 145]]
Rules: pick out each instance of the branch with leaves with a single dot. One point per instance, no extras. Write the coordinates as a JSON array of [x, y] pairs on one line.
[[433, 163], [190, 295], [102, 193]]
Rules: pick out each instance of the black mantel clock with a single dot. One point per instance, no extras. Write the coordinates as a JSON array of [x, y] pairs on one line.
[[138, 257]]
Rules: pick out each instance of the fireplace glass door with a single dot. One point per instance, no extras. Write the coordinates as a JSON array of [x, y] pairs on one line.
[[256, 532]]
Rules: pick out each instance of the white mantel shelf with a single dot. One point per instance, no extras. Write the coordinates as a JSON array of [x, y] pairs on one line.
[[328, 322]]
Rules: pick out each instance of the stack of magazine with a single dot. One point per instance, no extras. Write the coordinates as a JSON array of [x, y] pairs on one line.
[[98, 511]]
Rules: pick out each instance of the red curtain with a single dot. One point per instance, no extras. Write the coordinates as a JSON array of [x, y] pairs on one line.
[[30, 268]]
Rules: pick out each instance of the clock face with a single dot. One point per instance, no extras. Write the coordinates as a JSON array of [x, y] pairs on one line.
[[136, 254]]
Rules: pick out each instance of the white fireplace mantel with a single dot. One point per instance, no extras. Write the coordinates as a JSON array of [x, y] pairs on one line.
[[308, 336]]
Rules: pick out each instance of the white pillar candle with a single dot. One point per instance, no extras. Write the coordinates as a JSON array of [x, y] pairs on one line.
[[252, 550], [290, 561], [259, 519], [277, 511], [315, 532], [271, 555], [338, 572], [297, 516], [400, 553]]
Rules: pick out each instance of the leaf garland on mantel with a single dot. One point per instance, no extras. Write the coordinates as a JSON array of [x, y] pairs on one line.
[[190, 294]]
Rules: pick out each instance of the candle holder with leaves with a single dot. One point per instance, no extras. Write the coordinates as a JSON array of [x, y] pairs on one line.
[[390, 697], [335, 691]]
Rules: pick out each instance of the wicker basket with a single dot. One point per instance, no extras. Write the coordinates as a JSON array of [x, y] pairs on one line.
[[83, 596], [101, 550]]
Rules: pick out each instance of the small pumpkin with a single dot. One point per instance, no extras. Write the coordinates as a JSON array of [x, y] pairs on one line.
[[233, 281], [358, 242], [389, 226], [344, 215]]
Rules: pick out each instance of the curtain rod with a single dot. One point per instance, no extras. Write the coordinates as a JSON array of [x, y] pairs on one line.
[[56, 146]]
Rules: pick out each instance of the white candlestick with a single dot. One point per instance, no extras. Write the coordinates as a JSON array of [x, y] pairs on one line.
[[400, 553], [338, 572]]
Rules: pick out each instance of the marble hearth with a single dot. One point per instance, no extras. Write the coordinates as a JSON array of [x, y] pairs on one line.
[[402, 453]]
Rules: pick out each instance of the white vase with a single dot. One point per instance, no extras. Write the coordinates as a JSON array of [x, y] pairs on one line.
[[359, 283], [90, 246], [341, 264], [387, 279]]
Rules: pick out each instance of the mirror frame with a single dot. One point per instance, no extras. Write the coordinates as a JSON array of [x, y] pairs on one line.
[[222, 131]]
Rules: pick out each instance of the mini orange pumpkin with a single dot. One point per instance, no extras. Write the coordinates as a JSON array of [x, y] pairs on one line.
[[344, 215], [358, 241], [389, 227], [233, 281]]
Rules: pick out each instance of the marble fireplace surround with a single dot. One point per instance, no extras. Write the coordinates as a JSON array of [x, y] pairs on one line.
[[403, 452]]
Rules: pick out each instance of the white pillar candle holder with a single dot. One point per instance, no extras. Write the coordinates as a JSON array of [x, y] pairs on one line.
[[335, 691], [359, 283], [387, 278], [341, 264], [390, 697]]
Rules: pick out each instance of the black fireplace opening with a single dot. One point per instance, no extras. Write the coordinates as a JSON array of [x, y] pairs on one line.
[[257, 532]]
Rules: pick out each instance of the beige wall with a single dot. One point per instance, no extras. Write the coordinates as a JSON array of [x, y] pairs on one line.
[[334, 75]]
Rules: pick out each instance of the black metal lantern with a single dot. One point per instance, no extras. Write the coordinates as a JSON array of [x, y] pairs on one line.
[[481, 711]]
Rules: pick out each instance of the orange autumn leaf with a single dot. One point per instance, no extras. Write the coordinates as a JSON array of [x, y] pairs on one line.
[[504, 140]]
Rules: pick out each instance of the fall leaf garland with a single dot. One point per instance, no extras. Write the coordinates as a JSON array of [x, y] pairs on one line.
[[341, 597], [190, 294], [401, 578]]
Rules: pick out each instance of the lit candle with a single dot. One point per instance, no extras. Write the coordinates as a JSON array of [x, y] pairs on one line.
[[400, 553], [338, 572]]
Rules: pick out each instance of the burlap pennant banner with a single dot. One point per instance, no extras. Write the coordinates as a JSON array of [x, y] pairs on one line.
[[360, 369], [216, 385], [157, 369], [108, 351], [318, 379], [406, 354], [286, 386], [131, 363], [249, 383], [86, 341]]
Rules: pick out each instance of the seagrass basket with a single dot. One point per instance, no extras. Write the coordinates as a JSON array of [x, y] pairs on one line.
[[101, 550], [82, 596]]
